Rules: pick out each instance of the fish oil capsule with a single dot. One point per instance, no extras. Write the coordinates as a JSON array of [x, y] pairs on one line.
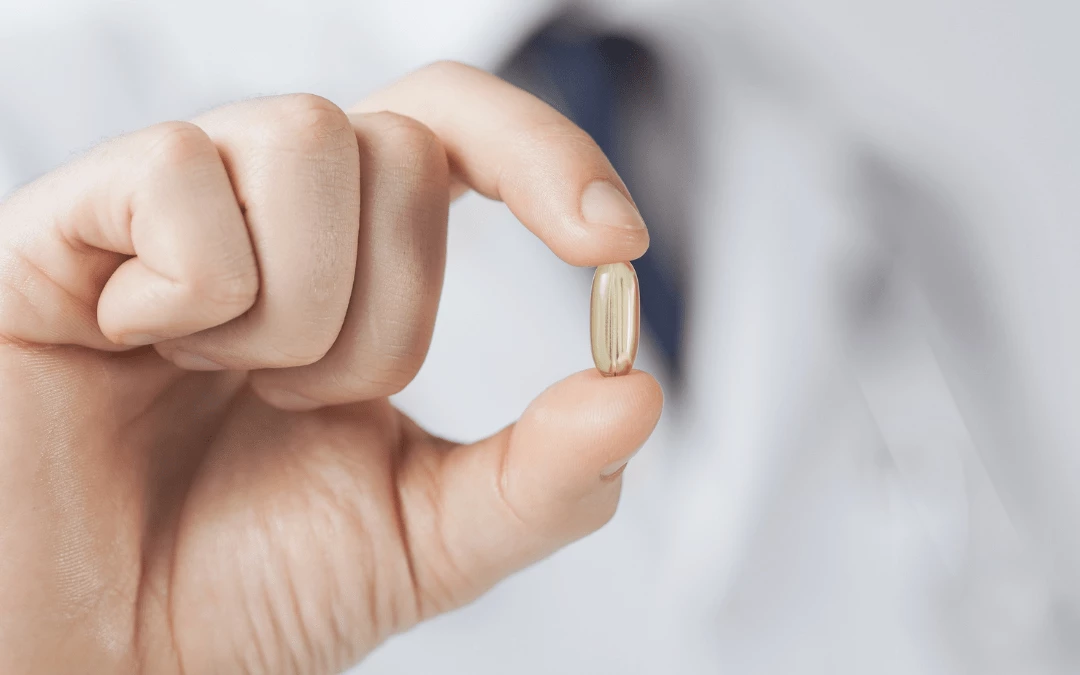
[[614, 318]]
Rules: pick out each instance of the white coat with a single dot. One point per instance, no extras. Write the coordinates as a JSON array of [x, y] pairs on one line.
[[873, 465]]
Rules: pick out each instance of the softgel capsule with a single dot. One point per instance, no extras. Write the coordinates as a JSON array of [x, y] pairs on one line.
[[615, 318]]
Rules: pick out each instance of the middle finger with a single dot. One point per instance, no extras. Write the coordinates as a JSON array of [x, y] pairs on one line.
[[405, 201]]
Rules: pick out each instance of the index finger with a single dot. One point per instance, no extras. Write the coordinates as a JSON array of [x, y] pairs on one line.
[[509, 145]]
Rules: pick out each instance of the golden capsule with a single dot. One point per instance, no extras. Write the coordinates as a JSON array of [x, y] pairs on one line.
[[614, 318]]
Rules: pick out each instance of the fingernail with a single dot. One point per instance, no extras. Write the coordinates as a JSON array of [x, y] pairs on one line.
[[612, 471], [287, 400], [604, 204], [139, 339], [189, 361]]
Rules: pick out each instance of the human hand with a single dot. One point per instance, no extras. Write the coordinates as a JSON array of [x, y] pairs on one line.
[[199, 326]]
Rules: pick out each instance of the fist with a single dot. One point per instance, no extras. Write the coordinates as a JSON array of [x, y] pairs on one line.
[[200, 323]]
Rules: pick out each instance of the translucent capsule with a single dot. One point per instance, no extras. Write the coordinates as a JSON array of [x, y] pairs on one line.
[[614, 318]]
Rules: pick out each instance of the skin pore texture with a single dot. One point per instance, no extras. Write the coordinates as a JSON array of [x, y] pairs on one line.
[[200, 324]]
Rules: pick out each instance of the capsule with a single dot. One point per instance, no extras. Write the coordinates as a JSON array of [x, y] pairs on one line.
[[615, 318]]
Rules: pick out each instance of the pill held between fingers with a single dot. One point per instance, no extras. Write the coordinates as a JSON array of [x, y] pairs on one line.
[[614, 315]]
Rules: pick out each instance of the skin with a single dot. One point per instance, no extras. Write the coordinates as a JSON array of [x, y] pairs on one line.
[[199, 326]]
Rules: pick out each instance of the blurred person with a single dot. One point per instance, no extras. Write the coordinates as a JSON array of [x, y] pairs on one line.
[[861, 291]]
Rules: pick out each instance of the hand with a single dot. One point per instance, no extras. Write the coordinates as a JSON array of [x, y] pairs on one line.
[[199, 326]]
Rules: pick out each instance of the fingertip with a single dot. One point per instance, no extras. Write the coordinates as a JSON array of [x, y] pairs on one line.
[[583, 244], [286, 400], [509, 145], [583, 429], [549, 479], [136, 339], [595, 223], [635, 399]]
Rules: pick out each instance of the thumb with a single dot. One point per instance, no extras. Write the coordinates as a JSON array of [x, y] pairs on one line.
[[520, 495]]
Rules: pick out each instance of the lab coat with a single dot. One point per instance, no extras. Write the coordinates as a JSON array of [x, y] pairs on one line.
[[870, 463]]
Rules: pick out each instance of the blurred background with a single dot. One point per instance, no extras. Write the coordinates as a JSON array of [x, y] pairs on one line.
[[862, 298]]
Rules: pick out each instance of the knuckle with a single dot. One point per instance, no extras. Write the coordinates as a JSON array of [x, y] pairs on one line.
[[312, 124], [503, 494], [406, 134], [178, 145], [406, 142], [438, 574]]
